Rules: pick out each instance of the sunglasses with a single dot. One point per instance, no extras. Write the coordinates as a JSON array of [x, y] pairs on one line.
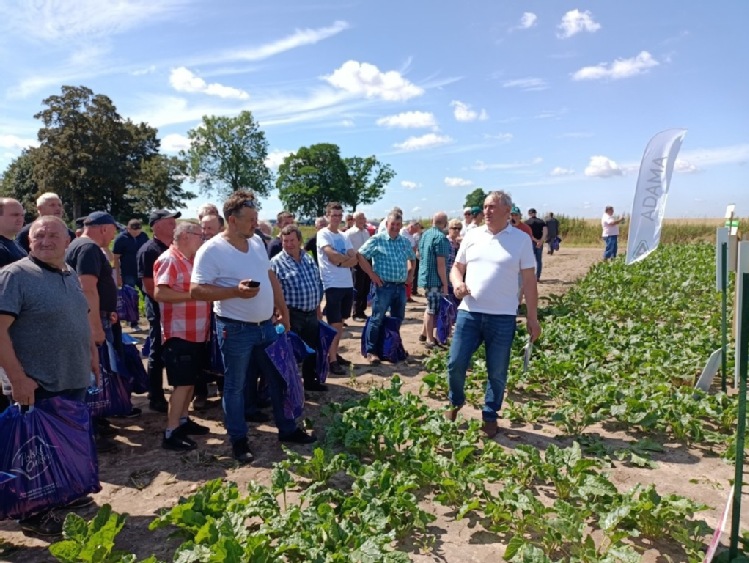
[[249, 203], [454, 228]]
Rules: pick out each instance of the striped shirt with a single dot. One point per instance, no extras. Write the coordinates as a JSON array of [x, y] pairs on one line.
[[300, 281], [188, 320], [389, 256]]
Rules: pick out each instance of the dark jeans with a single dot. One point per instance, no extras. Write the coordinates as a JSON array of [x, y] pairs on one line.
[[415, 283], [307, 327], [361, 285], [155, 360], [539, 252]]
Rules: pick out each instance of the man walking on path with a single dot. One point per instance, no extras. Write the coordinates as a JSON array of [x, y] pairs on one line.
[[539, 235], [552, 232], [434, 250], [485, 277]]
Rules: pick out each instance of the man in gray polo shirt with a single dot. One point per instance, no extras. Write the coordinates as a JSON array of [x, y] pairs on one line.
[[56, 359]]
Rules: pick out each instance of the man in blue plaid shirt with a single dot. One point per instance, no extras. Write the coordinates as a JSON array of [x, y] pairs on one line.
[[302, 289], [393, 261], [434, 250]]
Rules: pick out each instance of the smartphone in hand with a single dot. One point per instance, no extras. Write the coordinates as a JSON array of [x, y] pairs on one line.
[[251, 283]]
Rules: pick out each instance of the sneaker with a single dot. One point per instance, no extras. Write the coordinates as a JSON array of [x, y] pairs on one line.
[[360, 318], [241, 451], [336, 369], [45, 524], [192, 428], [200, 403], [103, 427], [315, 386], [373, 360], [429, 344], [256, 416], [178, 442], [80, 502], [104, 444], [135, 412], [343, 361], [298, 436], [159, 406]]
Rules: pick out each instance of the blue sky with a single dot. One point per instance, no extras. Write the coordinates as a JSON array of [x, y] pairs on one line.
[[552, 101]]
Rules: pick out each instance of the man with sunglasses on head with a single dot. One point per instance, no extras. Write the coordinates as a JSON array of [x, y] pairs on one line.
[[125, 250], [233, 270]]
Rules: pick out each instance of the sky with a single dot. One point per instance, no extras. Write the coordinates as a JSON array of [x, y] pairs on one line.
[[552, 101]]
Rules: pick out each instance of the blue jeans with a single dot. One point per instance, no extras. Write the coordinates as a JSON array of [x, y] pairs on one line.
[[390, 296], [497, 333], [612, 246], [243, 350], [539, 252]]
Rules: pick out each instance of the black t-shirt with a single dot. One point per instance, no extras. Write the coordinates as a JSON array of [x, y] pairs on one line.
[[127, 246], [22, 238], [274, 247], [10, 251], [537, 226], [88, 259], [147, 256], [311, 246]]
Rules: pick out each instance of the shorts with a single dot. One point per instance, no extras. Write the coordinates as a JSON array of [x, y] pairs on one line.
[[338, 303], [184, 361], [434, 298]]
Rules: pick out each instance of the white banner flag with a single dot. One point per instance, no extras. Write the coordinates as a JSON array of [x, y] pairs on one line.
[[649, 203]]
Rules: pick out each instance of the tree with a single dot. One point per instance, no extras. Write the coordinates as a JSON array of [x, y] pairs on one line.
[[311, 178], [368, 180], [18, 182], [159, 185], [231, 152], [476, 198]]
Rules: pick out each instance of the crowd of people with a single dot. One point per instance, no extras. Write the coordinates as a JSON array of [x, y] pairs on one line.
[[224, 282]]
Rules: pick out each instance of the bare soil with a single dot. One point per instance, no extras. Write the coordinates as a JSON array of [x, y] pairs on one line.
[[141, 477]]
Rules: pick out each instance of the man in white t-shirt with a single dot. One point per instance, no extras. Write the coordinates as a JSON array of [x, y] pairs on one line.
[[233, 270], [336, 257], [485, 277], [610, 232]]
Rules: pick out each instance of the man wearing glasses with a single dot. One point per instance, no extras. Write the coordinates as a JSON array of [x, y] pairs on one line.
[[233, 270], [125, 250]]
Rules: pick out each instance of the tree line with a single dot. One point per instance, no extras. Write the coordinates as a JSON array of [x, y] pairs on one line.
[[95, 159]]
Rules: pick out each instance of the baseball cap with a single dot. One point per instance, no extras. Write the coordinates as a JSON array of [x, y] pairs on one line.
[[515, 210], [159, 214], [531, 210], [476, 210], [99, 218]]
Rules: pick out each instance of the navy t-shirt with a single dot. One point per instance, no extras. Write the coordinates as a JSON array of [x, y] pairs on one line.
[[10, 251], [127, 247], [88, 259]]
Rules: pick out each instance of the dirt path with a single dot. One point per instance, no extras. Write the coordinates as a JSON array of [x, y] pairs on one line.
[[141, 477]]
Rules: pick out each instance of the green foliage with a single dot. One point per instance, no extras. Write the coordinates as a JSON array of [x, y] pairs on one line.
[[158, 185], [312, 177], [476, 198], [228, 154], [368, 180], [18, 182]]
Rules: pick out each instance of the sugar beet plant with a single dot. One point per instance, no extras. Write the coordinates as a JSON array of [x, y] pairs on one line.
[[622, 348]]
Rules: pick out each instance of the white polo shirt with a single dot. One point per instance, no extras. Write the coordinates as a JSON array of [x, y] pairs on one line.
[[357, 237], [493, 263], [219, 263]]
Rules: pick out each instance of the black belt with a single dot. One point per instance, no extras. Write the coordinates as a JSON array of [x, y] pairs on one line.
[[302, 311], [227, 320]]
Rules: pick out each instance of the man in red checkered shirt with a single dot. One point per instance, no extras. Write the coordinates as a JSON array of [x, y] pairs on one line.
[[185, 325]]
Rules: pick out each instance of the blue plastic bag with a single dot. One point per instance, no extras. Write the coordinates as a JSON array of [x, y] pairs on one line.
[[446, 316], [299, 346], [130, 366], [390, 347], [127, 304], [281, 354], [47, 457], [112, 397], [327, 335]]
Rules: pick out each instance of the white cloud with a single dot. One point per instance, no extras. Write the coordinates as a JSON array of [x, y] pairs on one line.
[[275, 158], [602, 167], [415, 209], [685, 167], [463, 112], [299, 38], [529, 84], [367, 80], [184, 80], [146, 70], [348, 123], [409, 185], [482, 166], [502, 137], [559, 171], [409, 119], [455, 182], [15, 142], [424, 142], [174, 143], [574, 22], [528, 20], [620, 68]]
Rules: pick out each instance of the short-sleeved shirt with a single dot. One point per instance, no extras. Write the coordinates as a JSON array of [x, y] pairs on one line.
[[22, 238], [609, 225], [221, 264], [493, 262], [300, 281], [537, 227], [357, 237], [127, 247], [10, 251], [51, 335], [389, 256], [188, 320], [146, 258], [331, 274], [432, 244], [88, 259]]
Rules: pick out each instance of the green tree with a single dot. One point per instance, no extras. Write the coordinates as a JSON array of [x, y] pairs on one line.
[[368, 180], [18, 182], [310, 178], [227, 154], [476, 198], [158, 185]]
